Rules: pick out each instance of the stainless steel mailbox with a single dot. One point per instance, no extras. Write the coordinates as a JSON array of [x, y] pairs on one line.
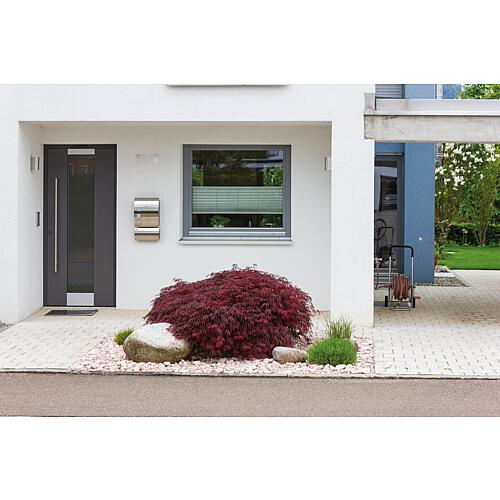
[[147, 219]]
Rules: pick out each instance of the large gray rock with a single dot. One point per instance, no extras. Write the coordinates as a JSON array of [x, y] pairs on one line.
[[155, 344], [289, 355]]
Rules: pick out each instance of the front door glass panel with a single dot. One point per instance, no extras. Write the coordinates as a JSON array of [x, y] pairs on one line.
[[80, 224]]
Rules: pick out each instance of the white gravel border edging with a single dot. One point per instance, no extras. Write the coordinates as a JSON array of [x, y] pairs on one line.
[[108, 357]]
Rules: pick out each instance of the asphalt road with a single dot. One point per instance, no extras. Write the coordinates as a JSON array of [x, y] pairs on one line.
[[37, 394]]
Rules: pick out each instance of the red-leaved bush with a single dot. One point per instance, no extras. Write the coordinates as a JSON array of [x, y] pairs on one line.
[[241, 313]]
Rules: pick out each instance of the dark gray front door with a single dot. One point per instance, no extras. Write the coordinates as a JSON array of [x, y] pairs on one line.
[[79, 225]]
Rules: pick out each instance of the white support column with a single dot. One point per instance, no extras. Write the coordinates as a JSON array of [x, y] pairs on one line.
[[352, 218], [8, 220]]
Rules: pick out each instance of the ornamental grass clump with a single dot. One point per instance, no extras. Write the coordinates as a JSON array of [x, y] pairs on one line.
[[332, 351], [235, 313], [340, 328], [122, 335]]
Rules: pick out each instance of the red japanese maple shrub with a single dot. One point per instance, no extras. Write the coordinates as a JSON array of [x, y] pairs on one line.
[[240, 312]]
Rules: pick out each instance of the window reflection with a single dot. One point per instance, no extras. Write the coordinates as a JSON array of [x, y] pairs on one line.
[[237, 188]]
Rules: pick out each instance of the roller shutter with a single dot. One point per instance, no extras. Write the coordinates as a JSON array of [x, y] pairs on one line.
[[389, 90]]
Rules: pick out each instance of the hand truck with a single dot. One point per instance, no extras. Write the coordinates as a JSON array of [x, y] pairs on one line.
[[401, 289]]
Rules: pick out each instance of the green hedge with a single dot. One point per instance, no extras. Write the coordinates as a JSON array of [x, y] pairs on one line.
[[458, 236]]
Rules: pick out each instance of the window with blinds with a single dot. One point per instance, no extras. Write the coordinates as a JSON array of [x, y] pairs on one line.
[[389, 90], [236, 190]]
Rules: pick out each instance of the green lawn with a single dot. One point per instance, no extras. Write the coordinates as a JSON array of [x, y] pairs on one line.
[[459, 257]]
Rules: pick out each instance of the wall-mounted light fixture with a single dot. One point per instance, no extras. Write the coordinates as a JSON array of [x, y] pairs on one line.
[[147, 159], [34, 163], [328, 164]]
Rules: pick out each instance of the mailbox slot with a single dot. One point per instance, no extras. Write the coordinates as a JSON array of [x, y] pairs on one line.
[[147, 219]]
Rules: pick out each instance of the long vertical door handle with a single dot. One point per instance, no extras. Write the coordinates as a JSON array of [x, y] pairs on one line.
[[56, 216]]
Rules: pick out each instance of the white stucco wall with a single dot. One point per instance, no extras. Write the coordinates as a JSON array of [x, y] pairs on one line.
[[29, 236], [136, 117], [9, 220], [144, 267]]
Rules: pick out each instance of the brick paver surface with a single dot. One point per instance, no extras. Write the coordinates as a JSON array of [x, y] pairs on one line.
[[454, 331], [55, 343]]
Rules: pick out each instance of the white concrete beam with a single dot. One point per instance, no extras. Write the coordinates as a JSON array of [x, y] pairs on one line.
[[470, 129], [432, 120]]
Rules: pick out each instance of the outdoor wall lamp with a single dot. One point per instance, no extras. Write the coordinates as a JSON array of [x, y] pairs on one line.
[[34, 163], [328, 164]]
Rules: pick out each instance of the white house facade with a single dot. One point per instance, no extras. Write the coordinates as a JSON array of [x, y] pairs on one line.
[[280, 177]]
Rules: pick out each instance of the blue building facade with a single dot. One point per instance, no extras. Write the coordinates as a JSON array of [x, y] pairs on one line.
[[410, 219]]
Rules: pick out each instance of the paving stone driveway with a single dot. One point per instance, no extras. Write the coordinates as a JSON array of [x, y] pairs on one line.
[[44, 342], [454, 331]]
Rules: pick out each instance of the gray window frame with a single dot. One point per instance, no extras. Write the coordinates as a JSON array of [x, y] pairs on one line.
[[188, 232]]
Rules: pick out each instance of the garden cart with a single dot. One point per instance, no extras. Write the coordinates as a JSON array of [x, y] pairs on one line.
[[401, 289]]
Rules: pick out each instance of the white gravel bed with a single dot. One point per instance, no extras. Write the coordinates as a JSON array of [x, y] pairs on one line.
[[108, 357]]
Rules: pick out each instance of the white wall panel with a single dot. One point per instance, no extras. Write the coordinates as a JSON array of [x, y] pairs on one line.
[[144, 267]]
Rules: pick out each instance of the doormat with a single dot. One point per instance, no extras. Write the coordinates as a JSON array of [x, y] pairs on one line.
[[71, 312]]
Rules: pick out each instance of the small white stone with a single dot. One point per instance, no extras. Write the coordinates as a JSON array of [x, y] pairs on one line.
[[109, 357]]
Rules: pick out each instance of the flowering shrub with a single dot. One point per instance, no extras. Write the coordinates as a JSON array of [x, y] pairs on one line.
[[240, 312], [461, 167]]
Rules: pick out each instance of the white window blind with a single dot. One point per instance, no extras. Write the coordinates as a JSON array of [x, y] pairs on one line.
[[237, 199]]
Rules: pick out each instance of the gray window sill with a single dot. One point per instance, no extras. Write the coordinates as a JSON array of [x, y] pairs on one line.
[[195, 240]]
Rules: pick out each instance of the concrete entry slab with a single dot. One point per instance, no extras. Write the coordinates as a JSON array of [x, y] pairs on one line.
[[53, 342]]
